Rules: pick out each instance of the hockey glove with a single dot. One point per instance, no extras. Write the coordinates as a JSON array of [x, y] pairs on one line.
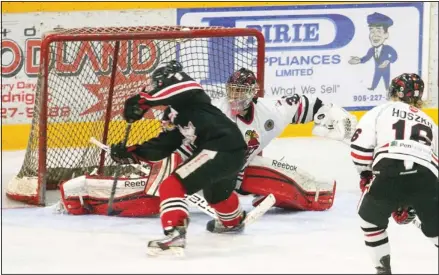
[[366, 177], [404, 215], [124, 155], [135, 108]]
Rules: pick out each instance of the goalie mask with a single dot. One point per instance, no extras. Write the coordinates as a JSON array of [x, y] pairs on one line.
[[407, 87], [241, 88]]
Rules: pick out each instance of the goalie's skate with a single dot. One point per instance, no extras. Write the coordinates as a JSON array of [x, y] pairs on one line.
[[385, 266], [59, 208], [174, 243]]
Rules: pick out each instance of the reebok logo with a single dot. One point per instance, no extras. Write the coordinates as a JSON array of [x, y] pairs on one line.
[[284, 165], [137, 183]]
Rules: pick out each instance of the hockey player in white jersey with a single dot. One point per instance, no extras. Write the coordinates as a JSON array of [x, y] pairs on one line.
[[263, 119], [260, 120], [395, 149]]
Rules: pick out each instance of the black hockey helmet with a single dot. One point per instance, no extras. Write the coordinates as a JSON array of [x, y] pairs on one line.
[[163, 71], [407, 87], [241, 88]]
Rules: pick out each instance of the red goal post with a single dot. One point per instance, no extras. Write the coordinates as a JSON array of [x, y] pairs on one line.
[[86, 74]]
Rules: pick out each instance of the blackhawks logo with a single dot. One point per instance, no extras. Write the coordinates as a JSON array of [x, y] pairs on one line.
[[251, 137], [252, 140]]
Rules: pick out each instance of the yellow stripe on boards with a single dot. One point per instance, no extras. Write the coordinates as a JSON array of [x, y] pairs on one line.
[[15, 137], [21, 7], [77, 134], [304, 130]]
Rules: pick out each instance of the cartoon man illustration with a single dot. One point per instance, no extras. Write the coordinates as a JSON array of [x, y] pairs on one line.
[[383, 54]]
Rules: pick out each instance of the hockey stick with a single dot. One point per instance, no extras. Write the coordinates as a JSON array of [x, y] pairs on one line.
[[260, 209], [110, 211], [200, 202], [194, 199]]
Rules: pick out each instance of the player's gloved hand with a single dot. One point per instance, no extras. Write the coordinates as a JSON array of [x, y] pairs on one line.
[[135, 108], [404, 215], [124, 155], [365, 179]]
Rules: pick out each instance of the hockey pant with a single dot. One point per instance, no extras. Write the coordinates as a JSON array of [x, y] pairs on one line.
[[293, 188], [394, 187]]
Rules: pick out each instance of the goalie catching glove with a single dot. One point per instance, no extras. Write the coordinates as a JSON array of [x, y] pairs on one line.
[[334, 122]]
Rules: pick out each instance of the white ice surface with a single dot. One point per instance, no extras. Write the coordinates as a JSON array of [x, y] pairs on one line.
[[36, 241]]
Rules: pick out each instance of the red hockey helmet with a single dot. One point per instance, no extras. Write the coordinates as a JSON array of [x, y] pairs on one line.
[[241, 88]]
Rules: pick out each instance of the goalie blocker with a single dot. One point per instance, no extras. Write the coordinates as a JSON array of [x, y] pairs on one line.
[[137, 196]]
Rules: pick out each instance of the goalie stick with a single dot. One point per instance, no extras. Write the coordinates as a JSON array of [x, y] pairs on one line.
[[198, 200], [251, 217]]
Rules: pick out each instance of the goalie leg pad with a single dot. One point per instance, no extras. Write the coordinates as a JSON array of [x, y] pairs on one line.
[[160, 170], [289, 193], [89, 195], [141, 206]]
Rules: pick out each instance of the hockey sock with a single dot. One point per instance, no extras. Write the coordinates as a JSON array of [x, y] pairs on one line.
[[173, 207], [376, 241], [229, 211]]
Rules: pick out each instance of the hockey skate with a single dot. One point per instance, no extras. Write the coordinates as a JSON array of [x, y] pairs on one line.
[[385, 266], [173, 243], [216, 226]]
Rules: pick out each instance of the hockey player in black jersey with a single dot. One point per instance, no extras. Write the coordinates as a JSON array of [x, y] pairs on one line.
[[395, 149], [218, 145]]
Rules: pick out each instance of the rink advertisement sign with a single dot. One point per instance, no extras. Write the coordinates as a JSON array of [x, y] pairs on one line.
[[21, 39], [344, 53]]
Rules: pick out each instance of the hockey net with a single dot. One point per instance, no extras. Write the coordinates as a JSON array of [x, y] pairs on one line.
[[87, 73]]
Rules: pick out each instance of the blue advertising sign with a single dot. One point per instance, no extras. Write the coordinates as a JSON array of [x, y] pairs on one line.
[[342, 53]]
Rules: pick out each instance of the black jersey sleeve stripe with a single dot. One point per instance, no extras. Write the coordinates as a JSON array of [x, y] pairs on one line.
[[305, 113], [362, 149]]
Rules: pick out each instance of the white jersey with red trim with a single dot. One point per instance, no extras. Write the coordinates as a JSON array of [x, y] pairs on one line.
[[268, 117], [395, 130]]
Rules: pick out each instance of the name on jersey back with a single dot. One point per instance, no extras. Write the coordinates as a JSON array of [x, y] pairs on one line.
[[411, 116]]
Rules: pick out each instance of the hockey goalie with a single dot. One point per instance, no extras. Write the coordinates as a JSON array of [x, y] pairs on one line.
[[260, 121]]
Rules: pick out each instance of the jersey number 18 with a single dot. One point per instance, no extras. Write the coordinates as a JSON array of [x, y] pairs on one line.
[[419, 132]]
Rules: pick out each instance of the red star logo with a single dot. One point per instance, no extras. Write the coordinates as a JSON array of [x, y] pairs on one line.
[[125, 86]]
